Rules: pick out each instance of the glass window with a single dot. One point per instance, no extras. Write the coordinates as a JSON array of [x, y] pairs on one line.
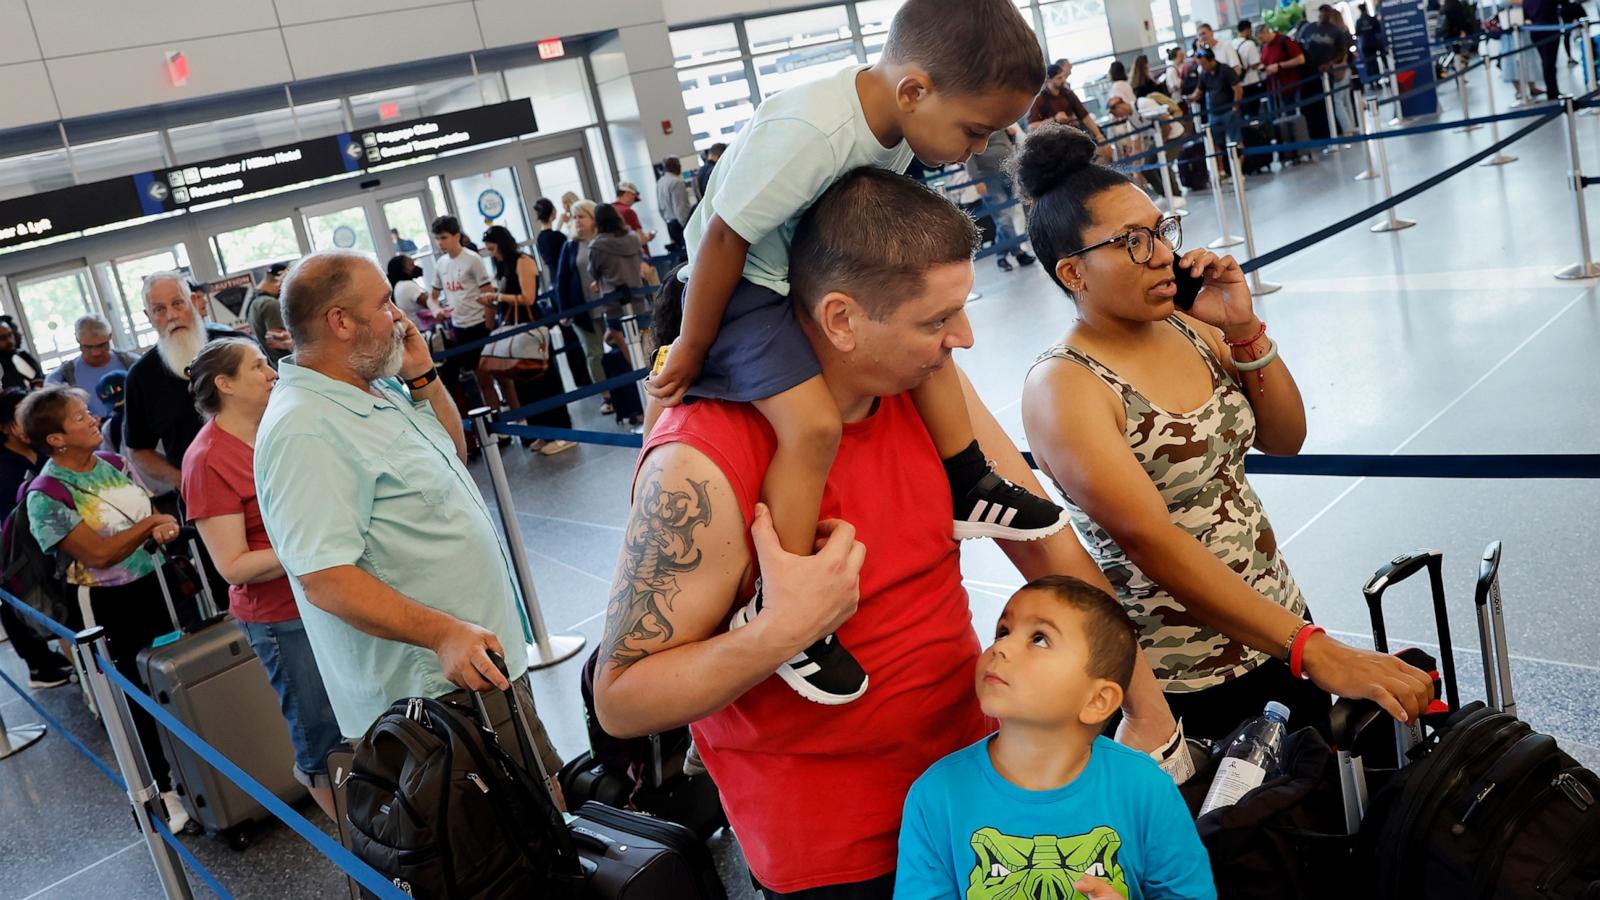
[[875, 15], [417, 100], [693, 46], [344, 229], [559, 91], [799, 29], [128, 275], [1162, 15], [256, 245], [777, 71], [488, 199], [436, 190], [242, 134], [21, 176], [557, 176], [1077, 30], [406, 218], [722, 93], [51, 303], [121, 156]]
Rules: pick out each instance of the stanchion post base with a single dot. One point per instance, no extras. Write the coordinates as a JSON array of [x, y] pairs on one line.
[[1499, 159], [1261, 288], [1579, 270], [1367, 175], [1227, 240], [562, 648], [1395, 225], [21, 737]]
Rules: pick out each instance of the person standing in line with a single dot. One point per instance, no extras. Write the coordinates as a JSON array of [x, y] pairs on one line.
[[395, 562], [97, 359], [565, 223], [93, 509], [993, 185], [516, 278], [409, 294], [1283, 61], [1206, 37], [18, 368], [574, 288], [713, 153], [1249, 53], [548, 242], [461, 285], [1546, 13], [1371, 44], [265, 315], [1057, 102], [232, 381], [627, 196], [1219, 92], [672, 201], [1172, 78], [18, 463]]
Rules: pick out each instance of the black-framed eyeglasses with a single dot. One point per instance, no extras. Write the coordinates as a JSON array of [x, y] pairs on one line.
[[1140, 242]]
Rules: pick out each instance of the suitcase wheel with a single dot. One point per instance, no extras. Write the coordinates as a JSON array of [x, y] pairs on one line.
[[238, 838]]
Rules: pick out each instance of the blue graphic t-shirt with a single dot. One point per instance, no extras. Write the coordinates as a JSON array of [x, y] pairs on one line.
[[969, 833]]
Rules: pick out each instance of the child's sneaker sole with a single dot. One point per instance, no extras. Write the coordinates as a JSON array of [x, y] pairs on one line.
[[794, 671], [966, 531]]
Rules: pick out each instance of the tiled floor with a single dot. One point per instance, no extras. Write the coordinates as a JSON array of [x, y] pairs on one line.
[[1451, 337]]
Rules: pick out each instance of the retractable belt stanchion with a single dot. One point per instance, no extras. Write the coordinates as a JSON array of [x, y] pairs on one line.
[[547, 649], [142, 790], [1235, 164], [1327, 110], [1371, 171], [1587, 268], [1215, 171], [18, 738], [1173, 204], [1500, 158], [1391, 221], [1466, 107]]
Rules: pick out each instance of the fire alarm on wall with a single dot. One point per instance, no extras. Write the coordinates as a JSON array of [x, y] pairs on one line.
[[666, 126], [177, 68]]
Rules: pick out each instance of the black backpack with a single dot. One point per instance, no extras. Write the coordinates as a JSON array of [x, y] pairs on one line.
[[35, 576], [437, 805], [1493, 810]]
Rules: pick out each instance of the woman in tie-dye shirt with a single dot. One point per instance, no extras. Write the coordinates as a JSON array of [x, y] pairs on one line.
[[91, 508]]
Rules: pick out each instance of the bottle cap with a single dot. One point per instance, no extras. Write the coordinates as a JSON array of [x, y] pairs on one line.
[[1277, 711]]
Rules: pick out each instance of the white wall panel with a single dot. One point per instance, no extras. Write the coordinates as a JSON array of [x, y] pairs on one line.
[[28, 100], [364, 42], [16, 33], [88, 26], [647, 47], [300, 12], [122, 79], [507, 22]]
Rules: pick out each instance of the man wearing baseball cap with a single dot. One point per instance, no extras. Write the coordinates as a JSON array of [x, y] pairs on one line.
[[1220, 88], [627, 196], [265, 314]]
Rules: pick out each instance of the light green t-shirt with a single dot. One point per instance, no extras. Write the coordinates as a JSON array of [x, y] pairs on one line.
[[345, 478], [798, 144]]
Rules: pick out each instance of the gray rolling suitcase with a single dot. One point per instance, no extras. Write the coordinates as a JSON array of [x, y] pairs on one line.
[[1292, 129], [211, 680]]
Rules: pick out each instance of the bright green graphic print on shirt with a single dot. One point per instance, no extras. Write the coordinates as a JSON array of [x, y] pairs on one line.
[[1042, 867]]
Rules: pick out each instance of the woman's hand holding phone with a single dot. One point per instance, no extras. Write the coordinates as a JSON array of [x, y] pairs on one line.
[[1223, 300]]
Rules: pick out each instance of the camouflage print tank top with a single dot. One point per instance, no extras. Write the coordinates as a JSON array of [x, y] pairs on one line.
[[1196, 461]]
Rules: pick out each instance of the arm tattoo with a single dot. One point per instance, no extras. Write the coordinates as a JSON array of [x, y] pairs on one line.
[[657, 548]]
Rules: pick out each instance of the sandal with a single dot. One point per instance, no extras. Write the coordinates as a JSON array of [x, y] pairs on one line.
[[606, 408]]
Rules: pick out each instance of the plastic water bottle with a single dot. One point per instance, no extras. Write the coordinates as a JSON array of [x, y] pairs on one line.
[[1254, 755]]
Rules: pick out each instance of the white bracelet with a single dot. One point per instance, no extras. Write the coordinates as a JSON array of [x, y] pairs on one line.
[[1266, 359]]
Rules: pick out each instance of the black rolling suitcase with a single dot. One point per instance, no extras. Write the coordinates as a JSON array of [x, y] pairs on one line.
[[1255, 134], [1192, 167], [211, 680], [1484, 806]]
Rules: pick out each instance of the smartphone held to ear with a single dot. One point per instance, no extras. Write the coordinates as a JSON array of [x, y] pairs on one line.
[[1188, 284]]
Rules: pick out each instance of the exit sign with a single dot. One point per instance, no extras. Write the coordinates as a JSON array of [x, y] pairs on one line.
[[177, 68], [551, 48]]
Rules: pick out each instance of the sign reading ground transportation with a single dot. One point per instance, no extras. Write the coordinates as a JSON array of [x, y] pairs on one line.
[[399, 141], [24, 220], [1406, 22], [244, 173]]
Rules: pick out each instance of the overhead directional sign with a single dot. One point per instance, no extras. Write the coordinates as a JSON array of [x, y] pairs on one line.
[[399, 141], [245, 173], [24, 220]]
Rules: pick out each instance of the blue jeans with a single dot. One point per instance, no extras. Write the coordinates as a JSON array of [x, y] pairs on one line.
[[286, 653]]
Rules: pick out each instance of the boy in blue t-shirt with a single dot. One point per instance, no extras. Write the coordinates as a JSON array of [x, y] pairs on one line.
[[1046, 807]]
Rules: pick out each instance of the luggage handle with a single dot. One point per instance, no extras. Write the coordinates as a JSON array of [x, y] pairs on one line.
[[1492, 632], [1394, 572], [519, 718]]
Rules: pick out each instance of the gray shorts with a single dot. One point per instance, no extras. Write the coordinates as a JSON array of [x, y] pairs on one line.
[[760, 351], [506, 730]]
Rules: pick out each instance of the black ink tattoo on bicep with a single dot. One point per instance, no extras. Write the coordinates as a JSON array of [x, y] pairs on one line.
[[657, 547]]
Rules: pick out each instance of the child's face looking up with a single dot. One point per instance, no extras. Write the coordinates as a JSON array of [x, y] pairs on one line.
[[1036, 671]]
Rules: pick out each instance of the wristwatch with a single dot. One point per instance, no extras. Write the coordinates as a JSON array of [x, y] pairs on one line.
[[423, 380]]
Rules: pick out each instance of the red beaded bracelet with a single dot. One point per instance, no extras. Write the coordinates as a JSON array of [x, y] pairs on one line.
[[1252, 340], [1297, 651]]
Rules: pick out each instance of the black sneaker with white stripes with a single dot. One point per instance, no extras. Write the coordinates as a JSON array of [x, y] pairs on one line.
[[996, 508], [824, 672]]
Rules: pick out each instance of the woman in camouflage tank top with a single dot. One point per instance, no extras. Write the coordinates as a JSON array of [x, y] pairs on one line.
[[1142, 415]]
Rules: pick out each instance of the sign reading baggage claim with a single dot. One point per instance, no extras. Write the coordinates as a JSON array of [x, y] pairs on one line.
[[245, 173], [400, 141]]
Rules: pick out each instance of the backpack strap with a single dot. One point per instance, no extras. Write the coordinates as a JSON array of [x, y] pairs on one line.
[[49, 486]]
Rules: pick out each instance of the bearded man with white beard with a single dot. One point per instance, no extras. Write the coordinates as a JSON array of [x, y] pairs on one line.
[[399, 574], [160, 410]]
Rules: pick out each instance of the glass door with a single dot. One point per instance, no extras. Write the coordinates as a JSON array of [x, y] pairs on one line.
[[341, 225], [490, 198], [407, 220], [556, 175], [49, 303]]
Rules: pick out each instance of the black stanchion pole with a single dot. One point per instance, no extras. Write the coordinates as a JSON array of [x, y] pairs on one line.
[[142, 790], [1587, 268], [1391, 221], [547, 649]]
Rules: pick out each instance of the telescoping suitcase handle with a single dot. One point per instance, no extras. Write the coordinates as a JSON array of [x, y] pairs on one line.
[[1394, 572], [519, 718], [1492, 633]]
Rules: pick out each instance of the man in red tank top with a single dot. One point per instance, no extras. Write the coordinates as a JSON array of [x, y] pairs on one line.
[[815, 792]]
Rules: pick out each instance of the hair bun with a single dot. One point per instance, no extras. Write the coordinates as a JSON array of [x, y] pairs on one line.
[[1050, 156]]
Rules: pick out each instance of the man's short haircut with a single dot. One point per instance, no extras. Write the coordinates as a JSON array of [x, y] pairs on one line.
[[1244, 25], [967, 46], [673, 165], [1205, 25], [154, 279], [716, 149], [314, 285], [446, 225], [1112, 637], [874, 235], [91, 326]]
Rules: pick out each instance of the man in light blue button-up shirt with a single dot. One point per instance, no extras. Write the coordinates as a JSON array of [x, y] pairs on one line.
[[400, 576]]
